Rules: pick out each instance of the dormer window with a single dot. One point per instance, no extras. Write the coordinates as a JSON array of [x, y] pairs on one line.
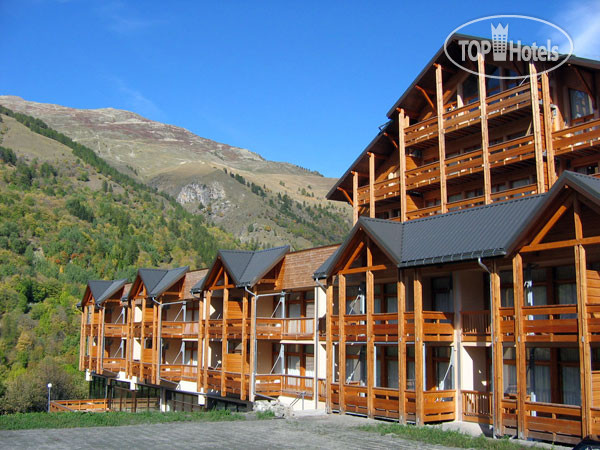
[[581, 104]]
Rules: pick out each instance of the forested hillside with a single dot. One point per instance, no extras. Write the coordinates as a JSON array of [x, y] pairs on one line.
[[67, 216]]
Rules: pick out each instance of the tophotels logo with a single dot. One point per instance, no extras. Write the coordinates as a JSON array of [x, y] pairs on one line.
[[500, 49]]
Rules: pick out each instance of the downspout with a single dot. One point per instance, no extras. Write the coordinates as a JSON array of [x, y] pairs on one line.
[[316, 345], [492, 337], [254, 341]]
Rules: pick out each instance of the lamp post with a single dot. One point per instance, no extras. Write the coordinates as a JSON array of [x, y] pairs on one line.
[[49, 389]]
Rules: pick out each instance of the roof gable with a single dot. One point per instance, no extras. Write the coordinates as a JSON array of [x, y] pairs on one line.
[[157, 281], [102, 290]]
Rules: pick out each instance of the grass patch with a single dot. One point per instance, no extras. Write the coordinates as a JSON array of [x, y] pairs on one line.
[[263, 415], [109, 419], [433, 435]]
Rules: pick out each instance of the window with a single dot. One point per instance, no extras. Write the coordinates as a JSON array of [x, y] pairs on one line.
[[492, 85], [441, 290], [581, 104], [506, 289], [148, 343], [470, 90]]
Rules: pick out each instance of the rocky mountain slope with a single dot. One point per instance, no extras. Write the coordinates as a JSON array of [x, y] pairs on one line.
[[259, 201]]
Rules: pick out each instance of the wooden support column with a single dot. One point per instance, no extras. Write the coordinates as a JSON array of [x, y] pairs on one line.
[[401, 294], [485, 139], [155, 343], [200, 343], [342, 341], [371, 184], [329, 344], [252, 352], [82, 337], [142, 338], [439, 94], [537, 129], [158, 349], [402, 164], [419, 345], [90, 339], [497, 352], [244, 345], [224, 334], [547, 110], [585, 362], [354, 197], [100, 340], [521, 360], [205, 355], [370, 285]]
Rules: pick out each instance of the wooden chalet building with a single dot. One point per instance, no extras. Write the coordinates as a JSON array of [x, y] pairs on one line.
[[184, 340], [470, 279], [467, 290]]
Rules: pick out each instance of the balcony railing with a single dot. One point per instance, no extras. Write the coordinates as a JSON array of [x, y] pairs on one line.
[[275, 385], [114, 364], [575, 138], [438, 326], [385, 327], [439, 405], [178, 372], [554, 422], [550, 323], [476, 406], [355, 327], [179, 329], [476, 325], [288, 328], [215, 328], [115, 330], [89, 405]]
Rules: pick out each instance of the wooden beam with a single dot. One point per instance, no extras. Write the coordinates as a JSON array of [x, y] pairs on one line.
[[593, 240], [224, 365], [401, 294], [497, 375], [441, 139], [555, 217], [426, 95], [371, 185], [354, 255], [583, 337], [354, 197], [391, 139], [485, 141], [547, 111], [419, 347], [205, 355], [402, 122], [342, 340], [537, 129], [200, 342], [243, 367], [343, 191], [370, 285], [521, 360], [329, 344], [364, 269], [142, 338]]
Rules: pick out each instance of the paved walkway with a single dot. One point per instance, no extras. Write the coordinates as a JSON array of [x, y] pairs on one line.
[[330, 432]]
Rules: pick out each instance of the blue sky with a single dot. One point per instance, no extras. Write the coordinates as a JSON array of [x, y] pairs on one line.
[[306, 82]]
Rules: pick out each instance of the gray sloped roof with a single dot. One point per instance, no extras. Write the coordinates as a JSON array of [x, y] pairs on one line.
[[103, 289], [483, 231], [158, 281], [246, 267]]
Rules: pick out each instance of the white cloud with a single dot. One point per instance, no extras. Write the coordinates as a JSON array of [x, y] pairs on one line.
[[580, 19], [137, 101], [122, 19]]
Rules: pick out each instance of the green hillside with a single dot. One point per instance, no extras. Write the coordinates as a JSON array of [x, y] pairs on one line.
[[67, 216]]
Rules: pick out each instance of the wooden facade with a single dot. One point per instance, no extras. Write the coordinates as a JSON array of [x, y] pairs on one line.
[[507, 337]]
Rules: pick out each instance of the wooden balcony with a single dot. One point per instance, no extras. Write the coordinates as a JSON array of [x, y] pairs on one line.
[[234, 328], [214, 379], [577, 138], [439, 405], [289, 328], [355, 327], [215, 328], [593, 319], [179, 372], [385, 327], [507, 324], [553, 422], [181, 330], [275, 385], [550, 323], [355, 399], [438, 326], [114, 364], [476, 326], [476, 406], [118, 330], [386, 402]]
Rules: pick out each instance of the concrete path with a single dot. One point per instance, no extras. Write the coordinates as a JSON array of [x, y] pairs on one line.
[[330, 432]]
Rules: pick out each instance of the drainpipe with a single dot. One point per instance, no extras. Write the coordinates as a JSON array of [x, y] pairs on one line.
[[254, 341], [317, 347], [492, 337]]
